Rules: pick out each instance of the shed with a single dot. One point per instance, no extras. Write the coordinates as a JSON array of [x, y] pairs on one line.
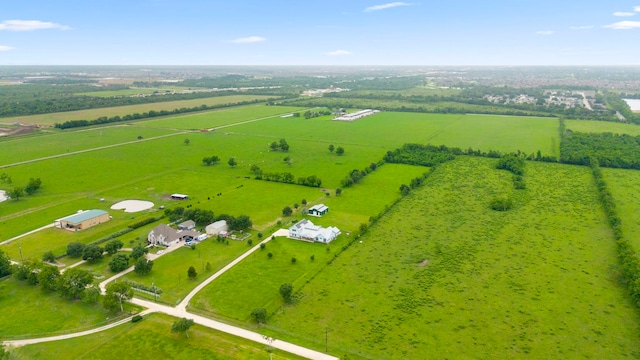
[[179, 197], [217, 227], [187, 225], [318, 210]]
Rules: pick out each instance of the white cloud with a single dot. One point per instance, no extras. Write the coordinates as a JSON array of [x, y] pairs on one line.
[[6, 48], [339, 53], [585, 27], [386, 6], [636, 9], [624, 25], [545, 32], [30, 25], [621, 13], [248, 40]]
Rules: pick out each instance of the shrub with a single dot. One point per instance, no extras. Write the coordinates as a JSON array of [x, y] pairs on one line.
[[501, 204], [136, 318]]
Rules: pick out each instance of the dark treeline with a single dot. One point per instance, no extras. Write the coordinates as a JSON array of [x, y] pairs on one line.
[[615, 101], [32, 99], [355, 176], [152, 113], [611, 150], [626, 253]]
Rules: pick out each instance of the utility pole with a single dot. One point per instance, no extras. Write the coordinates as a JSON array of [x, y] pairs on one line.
[[20, 248], [155, 293]]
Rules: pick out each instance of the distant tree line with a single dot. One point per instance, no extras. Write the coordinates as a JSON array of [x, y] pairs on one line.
[[150, 114], [285, 177]]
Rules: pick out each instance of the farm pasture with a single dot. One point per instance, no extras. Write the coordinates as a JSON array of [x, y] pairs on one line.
[[602, 127]]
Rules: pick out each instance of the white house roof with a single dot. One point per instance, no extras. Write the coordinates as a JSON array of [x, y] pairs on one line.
[[319, 207], [218, 224]]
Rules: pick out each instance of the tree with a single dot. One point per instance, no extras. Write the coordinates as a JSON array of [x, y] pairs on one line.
[[405, 189], [143, 266], [75, 249], [48, 277], [115, 294], [242, 222], [92, 253], [273, 146], [293, 260], [16, 193], [232, 162], [331, 148], [249, 242], [208, 266], [5, 264], [113, 246], [192, 273], [48, 257], [338, 191], [138, 252], [187, 141], [283, 145], [90, 295], [340, 150], [181, 325], [303, 202], [32, 186], [259, 315], [286, 290], [260, 235], [287, 211], [118, 263], [139, 137], [263, 246], [73, 282], [287, 160]]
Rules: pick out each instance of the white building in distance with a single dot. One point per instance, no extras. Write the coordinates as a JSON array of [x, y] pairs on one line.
[[356, 115]]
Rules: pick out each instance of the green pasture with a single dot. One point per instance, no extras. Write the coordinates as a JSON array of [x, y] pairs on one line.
[[389, 130], [28, 311], [602, 127], [63, 142], [444, 275], [624, 186], [219, 118], [255, 282], [91, 114], [169, 271], [151, 339]]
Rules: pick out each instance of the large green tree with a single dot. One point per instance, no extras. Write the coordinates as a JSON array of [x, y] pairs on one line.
[[118, 263], [116, 293], [73, 282], [139, 251], [113, 246], [92, 253], [286, 291], [5, 264], [48, 277], [181, 325], [143, 266], [75, 249]]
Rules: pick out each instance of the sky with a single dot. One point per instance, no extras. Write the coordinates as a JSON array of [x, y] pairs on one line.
[[326, 32]]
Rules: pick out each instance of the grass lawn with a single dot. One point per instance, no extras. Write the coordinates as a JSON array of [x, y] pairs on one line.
[[91, 114], [100, 269], [623, 185], [36, 313], [444, 275], [170, 270], [255, 282], [151, 339], [602, 127]]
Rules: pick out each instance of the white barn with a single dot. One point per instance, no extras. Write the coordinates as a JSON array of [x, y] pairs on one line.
[[217, 227], [307, 231]]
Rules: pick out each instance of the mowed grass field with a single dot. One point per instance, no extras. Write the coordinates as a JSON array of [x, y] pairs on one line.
[[130, 91], [91, 114], [28, 311], [602, 127], [444, 275], [151, 339]]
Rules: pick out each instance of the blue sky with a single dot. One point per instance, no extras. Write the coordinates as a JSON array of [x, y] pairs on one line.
[[327, 32]]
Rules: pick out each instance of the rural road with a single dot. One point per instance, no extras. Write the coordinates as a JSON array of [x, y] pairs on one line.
[[180, 311]]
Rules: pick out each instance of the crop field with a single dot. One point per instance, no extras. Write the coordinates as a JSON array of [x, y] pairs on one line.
[[52, 118], [151, 339], [623, 185], [43, 313], [602, 127], [444, 275]]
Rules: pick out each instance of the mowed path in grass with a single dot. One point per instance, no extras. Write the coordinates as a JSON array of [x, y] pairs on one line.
[[602, 127], [444, 275], [92, 114], [623, 185]]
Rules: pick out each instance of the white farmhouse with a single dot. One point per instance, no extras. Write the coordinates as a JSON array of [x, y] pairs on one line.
[[166, 236], [307, 231]]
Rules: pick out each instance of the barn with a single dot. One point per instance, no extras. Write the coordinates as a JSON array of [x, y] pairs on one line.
[[82, 220]]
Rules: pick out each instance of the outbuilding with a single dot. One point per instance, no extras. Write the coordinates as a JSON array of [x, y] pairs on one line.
[[179, 197], [217, 227], [318, 210], [82, 220], [187, 225]]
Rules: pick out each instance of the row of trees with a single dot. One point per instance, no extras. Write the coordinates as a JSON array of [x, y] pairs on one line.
[[19, 191], [150, 114], [285, 177], [355, 176], [281, 145]]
